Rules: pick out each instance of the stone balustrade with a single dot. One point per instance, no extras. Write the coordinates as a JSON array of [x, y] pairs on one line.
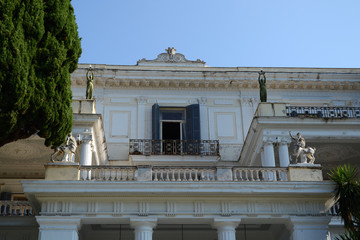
[[182, 174], [107, 173], [260, 174], [15, 208]]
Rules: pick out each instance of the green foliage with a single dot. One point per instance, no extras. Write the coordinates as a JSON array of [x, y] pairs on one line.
[[347, 194], [39, 48]]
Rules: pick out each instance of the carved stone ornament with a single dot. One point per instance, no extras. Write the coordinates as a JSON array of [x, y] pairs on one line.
[[171, 58]]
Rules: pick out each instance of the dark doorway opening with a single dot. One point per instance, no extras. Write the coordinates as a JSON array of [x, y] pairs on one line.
[[171, 130]]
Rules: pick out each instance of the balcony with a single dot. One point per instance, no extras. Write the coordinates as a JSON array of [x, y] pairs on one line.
[[148, 147]]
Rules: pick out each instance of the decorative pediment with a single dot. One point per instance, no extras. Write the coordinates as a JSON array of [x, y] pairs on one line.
[[171, 58]]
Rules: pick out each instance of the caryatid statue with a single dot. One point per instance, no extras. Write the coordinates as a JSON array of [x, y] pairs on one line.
[[262, 85], [90, 83]]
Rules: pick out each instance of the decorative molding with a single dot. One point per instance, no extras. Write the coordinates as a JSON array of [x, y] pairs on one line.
[[170, 208], [225, 208], [198, 208], [118, 207], [170, 57], [143, 209]]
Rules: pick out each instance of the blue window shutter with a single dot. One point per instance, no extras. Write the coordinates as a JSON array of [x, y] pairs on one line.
[[155, 121], [192, 124]]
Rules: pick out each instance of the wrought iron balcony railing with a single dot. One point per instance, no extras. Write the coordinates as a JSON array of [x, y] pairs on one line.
[[323, 112], [149, 147]]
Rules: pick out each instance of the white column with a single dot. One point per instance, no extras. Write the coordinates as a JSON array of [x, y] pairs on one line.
[[284, 153], [86, 148], [226, 228], [309, 228], [143, 228], [58, 227], [141, 113], [269, 156]]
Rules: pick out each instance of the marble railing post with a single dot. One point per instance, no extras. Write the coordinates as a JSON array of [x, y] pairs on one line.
[[226, 228], [143, 228], [58, 227], [86, 148]]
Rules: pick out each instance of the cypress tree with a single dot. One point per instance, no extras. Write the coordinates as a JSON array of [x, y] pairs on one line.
[[39, 48]]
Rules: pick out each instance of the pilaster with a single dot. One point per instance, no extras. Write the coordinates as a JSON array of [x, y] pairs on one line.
[[308, 227], [58, 227]]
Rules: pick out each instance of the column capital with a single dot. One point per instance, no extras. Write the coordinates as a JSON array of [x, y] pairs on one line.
[[143, 223], [226, 223], [308, 227], [283, 140], [58, 222], [86, 136], [141, 100], [202, 101], [58, 227], [267, 140]]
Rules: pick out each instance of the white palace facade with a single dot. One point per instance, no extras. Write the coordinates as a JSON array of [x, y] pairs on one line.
[[173, 149]]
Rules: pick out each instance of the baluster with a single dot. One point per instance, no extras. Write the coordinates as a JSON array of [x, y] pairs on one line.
[[251, 175], [196, 177], [184, 174], [173, 175], [235, 175], [167, 175], [274, 175], [268, 174], [257, 175], [207, 175], [155, 175], [246, 175], [179, 172], [241, 175], [121, 174], [14, 207], [92, 175], [190, 175], [161, 174]]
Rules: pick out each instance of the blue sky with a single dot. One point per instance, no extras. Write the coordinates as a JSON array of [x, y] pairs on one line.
[[223, 33]]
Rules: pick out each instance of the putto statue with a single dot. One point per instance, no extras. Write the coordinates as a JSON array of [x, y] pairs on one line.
[[262, 85], [68, 149], [306, 153], [90, 83]]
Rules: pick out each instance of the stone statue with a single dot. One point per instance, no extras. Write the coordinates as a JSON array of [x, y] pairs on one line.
[[90, 83], [262, 84], [301, 150], [170, 51], [69, 149]]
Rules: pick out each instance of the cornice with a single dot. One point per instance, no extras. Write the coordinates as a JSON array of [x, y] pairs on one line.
[[218, 78]]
